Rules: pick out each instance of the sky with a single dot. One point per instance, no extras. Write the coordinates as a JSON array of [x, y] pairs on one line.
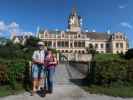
[[99, 15]]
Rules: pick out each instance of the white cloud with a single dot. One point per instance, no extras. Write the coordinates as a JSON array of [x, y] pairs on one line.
[[1, 34], [126, 24], [122, 6], [12, 27], [2, 26]]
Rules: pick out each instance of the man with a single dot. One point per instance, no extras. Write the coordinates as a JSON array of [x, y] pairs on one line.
[[38, 67]]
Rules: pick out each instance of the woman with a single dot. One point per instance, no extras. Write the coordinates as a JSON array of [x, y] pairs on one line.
[[50, 68]]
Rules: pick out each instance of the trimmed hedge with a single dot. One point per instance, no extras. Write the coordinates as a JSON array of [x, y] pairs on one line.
[[108, 72], [113, 72]]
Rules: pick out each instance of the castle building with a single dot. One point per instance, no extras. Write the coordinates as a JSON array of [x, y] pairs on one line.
[[76, 40]]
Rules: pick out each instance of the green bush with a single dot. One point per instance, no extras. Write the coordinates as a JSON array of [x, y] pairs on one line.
[[108, 72], [13, 71], [3, 73], [129, 54], [14, 60], [107, 57], [130, 70]]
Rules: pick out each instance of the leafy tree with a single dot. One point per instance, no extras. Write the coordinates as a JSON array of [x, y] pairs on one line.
[[31, 42], [129, 54]]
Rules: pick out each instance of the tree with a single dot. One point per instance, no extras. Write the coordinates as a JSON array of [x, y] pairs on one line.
[[129, 54], [31, 42]]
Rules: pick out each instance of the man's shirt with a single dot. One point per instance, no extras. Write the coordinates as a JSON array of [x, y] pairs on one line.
[[39, 55]]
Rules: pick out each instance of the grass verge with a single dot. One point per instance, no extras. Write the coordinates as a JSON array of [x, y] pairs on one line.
[[125, 91], [6, 90]]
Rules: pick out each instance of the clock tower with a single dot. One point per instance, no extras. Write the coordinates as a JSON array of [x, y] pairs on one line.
[[74, 22]]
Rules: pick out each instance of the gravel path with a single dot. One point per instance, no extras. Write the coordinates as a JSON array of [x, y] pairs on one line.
[[64, 89]]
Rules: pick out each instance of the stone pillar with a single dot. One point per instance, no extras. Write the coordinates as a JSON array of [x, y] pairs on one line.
[[56, 44], [58, 57], [73, 44], [69, 44], [52, 44]]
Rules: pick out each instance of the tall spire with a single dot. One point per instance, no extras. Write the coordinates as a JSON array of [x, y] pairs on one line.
[[74, 9], [75, 21]]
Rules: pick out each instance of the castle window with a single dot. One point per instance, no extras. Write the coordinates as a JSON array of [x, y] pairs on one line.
[[54, 44], [117, 37], [71, 45], [46, 35], [83, 44], [75, 44], [107, 45], [96, 46], [62, 44], [120, 36], [117, 45], [62, 51], [66, 44], [121, 45], [102, 45], [62, 35], [59, 44], [66, 51], [83, 52]]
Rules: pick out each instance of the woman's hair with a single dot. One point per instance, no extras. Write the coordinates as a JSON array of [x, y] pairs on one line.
[[49, 49]]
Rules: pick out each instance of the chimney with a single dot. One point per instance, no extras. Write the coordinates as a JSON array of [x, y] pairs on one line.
[[108, 31], [93, 30]]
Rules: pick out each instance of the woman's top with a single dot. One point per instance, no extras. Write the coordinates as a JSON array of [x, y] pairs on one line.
[[50, 59]]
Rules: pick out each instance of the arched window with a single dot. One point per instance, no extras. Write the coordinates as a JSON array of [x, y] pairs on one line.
[[83, 52], [62, 51]]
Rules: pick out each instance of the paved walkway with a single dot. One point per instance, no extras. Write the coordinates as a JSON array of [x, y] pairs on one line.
[[64, 89]]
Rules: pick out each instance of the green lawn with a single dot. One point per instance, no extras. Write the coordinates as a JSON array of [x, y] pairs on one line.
[[6, 90], [125, 92], [106, 57]]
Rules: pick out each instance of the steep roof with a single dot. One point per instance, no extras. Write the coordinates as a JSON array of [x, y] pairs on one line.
[[96, 35]]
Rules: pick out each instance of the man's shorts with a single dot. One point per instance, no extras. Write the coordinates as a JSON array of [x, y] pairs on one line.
[[37, 71]]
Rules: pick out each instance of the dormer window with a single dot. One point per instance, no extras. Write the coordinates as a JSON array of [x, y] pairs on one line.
[[62, 35], [120, 36], [117, 36], [79, 35]]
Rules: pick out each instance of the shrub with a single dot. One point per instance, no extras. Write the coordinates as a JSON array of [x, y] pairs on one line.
[[108, 72], [130, 70], [129, 54], [3, 74], [13, 71]]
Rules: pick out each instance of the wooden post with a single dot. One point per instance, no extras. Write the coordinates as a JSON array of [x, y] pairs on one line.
[[30, 69]]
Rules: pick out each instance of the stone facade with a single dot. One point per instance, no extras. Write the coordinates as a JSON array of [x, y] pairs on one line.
[[76, 40]]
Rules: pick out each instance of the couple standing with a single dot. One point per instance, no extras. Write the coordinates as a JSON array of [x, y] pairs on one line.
[[43, 68]]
